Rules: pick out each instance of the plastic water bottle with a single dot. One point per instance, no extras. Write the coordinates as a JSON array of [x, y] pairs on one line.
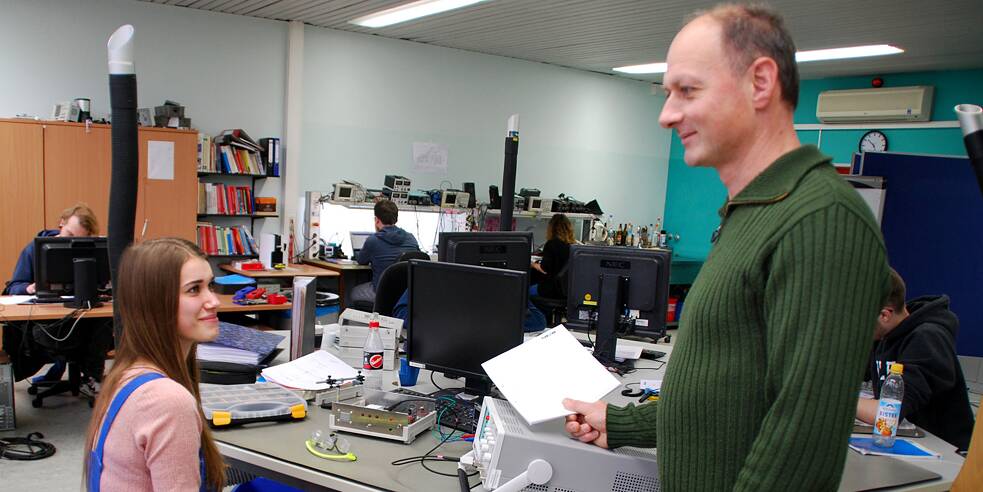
[[372, 357], [889, 408]]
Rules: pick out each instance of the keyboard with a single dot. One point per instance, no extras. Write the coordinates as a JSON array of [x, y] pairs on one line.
[[461, 415]]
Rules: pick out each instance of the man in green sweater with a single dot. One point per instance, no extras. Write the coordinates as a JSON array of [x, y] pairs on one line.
[[761, 387]]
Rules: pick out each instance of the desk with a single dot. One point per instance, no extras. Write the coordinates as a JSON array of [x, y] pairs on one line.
[[352, 274], [40, 312], [294, 270], [285, 459]]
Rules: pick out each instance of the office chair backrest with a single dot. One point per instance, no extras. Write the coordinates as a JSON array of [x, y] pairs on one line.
[[561, 279], [392, 284], [413, 255]]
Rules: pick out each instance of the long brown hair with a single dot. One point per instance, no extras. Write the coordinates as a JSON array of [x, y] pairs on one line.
[[148, 295], [560, 228]]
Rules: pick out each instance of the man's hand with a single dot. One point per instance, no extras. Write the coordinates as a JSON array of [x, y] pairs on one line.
[[589, 424], [31, 289], [538, 267]]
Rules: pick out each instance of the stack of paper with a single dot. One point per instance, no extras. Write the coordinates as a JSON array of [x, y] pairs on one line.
[[536, 376], [310, 371], [902, 447], [239, 345]]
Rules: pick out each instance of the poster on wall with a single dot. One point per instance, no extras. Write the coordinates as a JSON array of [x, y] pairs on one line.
[[429, 158]]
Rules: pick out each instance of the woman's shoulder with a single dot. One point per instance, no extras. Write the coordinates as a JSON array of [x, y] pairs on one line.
[[164, 393]]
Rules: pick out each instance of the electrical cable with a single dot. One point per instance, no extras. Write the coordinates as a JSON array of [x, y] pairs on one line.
[[25, 448], [70, 330], [434, 383], [429, 456]]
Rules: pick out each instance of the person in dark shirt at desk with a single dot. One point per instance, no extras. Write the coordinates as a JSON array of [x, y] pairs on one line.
[[75, 221], [921, 335], [556, 252], [382, 249]]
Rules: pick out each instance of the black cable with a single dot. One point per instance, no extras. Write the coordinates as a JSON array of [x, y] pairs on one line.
[[33, 449], [434, 382]]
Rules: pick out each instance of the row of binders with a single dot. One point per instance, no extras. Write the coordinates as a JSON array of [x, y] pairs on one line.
[[218, 198], [226, 240], [234, 152]]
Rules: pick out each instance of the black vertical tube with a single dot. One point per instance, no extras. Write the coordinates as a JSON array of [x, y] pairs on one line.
[[971, 121], [125, 172], [508, 180]]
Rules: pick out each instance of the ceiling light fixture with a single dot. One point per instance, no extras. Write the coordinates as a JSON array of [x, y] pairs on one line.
[[410, 11], [801, 57], [851, 52]]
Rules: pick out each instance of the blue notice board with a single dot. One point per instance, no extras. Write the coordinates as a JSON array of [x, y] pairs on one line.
[[933, 229]]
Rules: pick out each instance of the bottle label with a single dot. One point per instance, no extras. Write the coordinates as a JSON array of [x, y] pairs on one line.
[[888, 414], [372, 360]]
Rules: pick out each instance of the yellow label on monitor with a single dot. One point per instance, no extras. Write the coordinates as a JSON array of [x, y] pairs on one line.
[[587, 297], [221, 418]]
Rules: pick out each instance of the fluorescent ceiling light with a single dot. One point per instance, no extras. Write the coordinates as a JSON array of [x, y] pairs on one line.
[[851, 52], [410, 11], [801, 56], [647, 68]]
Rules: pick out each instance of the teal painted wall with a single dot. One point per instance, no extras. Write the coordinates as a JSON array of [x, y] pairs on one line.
[[694, 195]]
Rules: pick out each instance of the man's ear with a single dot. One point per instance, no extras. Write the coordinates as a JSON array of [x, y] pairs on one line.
[[763, 74], [885, 314]]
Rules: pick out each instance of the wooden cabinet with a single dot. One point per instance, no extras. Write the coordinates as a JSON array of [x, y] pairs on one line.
[[21, 191], [77, 166], [49, 166], [168, 208]]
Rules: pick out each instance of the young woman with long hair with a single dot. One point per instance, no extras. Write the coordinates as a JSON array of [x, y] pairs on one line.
[[147, 431], [556, 252]]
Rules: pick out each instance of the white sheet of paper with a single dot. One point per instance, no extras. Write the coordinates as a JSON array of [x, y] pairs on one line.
[[160, 160], [11, 300], [429, 158], [305, 372], [536, 376], [627, 351]]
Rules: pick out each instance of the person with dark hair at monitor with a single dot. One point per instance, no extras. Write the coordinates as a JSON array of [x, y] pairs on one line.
[[75, 221], [383, 248], [921, 335], [556, 252]]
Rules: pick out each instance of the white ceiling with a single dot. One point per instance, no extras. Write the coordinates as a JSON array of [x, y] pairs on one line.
[[597, 35]]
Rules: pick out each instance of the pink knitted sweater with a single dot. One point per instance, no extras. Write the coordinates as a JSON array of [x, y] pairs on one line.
[[154, 442]]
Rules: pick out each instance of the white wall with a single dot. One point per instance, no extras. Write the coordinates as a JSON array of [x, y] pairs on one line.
[[227, 70], [367, 99]]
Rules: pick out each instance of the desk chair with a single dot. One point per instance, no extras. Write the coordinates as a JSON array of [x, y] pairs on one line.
[[394, 281], [554, 307], [374, 307]]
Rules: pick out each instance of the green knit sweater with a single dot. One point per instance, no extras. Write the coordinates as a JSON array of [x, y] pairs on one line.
[[761, 387]]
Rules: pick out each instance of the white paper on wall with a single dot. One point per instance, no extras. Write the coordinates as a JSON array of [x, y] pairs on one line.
[[429, 158]]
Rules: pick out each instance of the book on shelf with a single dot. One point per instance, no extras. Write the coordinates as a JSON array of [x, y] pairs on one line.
[[271, 155], [226, 240], [265, 204], [206, 154], [223, 199]]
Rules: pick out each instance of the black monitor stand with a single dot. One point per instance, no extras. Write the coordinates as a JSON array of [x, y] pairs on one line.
[[86, 285], [614, 292]]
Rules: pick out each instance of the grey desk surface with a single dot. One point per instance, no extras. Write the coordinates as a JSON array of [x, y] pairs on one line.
[[277, 450]]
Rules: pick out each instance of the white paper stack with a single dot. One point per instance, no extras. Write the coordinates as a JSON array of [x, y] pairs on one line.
[[221, 353], [308, 372]]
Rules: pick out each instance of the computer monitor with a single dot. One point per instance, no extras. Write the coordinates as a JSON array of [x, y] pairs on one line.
[[461, 316], [618, 290], [511, 250], [358, 240], [54, 266]]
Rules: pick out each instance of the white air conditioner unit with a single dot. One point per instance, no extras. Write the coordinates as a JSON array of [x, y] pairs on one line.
[[876, 105]]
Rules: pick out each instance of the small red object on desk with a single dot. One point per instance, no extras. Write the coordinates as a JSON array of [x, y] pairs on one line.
[[276, 299], [256, 294], [252, 265]]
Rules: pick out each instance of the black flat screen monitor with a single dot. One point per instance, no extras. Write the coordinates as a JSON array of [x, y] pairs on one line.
[[511, 250], [54, 270], [644, 275], [461, 316]]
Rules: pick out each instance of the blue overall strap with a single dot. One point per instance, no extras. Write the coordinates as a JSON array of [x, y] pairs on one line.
[[95, 458]]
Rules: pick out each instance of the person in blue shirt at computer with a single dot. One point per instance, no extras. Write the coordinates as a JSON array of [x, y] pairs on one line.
[[382, 249], [75, 221]]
